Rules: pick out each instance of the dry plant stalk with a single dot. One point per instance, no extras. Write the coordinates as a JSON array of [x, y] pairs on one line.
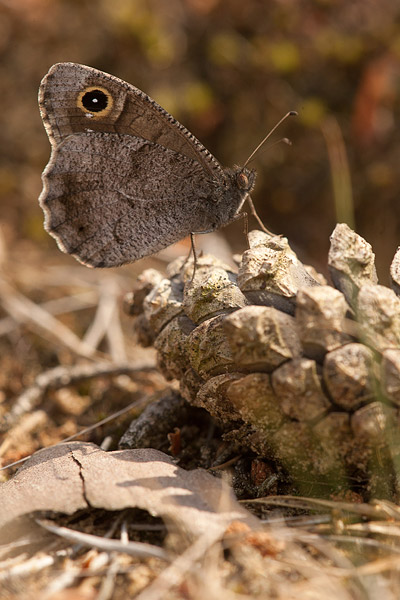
[[291, 367]]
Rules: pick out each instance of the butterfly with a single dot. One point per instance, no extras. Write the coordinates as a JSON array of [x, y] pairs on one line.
[[125, 179]]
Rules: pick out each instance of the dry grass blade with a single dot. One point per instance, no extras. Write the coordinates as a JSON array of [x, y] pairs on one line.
[[388, 563], [138, 549], [388, 508], [389, 529], [340, 171], [363, 542], [299, 502], [108, 584], [69, 575], [174, 573]]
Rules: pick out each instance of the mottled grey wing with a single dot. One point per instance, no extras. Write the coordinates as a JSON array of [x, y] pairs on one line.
[[129, 111], [110, 199], [125, 179]]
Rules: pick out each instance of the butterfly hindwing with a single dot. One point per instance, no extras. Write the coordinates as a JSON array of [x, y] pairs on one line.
[[111, 199]]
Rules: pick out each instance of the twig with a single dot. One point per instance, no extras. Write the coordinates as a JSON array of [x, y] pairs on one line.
[[115, 337], [58, 306], [28, 567], [103, 316], [106, 322], [61, 376], [23, 310], [136, 404]]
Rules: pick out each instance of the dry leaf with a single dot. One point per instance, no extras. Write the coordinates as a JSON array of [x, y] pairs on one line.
[[78, 475]]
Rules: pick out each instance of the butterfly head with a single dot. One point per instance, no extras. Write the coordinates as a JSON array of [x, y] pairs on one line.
[[245, 179]]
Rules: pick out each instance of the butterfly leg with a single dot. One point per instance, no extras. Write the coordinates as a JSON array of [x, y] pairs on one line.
[[195, 257], [246, 227], [255, 215], [243, 215]]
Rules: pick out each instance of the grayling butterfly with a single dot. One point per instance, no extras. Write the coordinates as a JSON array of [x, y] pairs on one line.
[[125, 179]]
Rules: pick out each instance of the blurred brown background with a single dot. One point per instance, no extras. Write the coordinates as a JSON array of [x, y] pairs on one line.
[[228, 70]]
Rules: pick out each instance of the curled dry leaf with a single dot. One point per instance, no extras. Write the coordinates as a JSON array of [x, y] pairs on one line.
[[78, 475]]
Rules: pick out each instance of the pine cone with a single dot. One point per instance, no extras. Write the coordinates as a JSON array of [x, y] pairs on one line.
[[290, 367]]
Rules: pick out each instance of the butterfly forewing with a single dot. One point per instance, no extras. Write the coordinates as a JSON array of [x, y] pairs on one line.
[[131, 111]]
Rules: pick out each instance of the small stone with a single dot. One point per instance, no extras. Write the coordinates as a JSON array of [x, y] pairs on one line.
[[190, 384], [321, 320], [395, 272], [270, 273], [298, 386], [213, 397], [133, 301], [170, 344], [351, 262], [349, 375], [261, 338], [390, 374], [209, 350], [253, 397], [378, 315], [163, 303], [371, 423], [213, 291]]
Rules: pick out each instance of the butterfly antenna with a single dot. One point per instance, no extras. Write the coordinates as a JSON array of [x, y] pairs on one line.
[[284, 140], [291, 113]]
